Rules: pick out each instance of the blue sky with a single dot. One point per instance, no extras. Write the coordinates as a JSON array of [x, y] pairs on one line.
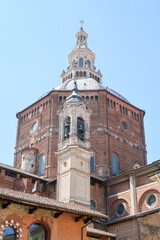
[[36, 37]]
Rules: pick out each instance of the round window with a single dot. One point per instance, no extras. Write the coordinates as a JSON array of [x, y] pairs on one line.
[[151, 200], [120, 209], [124, 125], [34, 126]]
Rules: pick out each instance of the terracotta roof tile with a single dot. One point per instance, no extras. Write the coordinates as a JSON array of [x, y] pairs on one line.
[[99, 232], [33, 199], [22, 172]]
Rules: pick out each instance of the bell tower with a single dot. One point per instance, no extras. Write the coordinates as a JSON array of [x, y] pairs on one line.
[[73, 182]]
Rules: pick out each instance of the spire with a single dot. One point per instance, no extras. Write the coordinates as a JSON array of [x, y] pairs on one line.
[[75, 89], [74, 97]]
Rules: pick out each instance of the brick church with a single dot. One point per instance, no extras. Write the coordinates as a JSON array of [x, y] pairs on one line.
[[80, 166]]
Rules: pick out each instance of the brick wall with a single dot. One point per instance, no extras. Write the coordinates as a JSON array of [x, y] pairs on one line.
[[107, 134]]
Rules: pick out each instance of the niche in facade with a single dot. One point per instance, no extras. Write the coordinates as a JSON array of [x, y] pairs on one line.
[[28, 160]]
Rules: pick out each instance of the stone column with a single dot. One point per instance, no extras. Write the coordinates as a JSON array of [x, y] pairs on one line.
[[73, 123]]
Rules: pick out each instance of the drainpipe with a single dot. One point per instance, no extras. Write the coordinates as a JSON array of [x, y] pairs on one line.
[[138, 230], [84, 227]]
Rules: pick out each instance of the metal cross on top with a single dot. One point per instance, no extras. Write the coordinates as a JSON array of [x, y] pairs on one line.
[[81, 22]]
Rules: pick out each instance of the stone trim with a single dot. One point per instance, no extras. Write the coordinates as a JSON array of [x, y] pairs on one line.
[[146, 185], [117, 194], [14, 225]]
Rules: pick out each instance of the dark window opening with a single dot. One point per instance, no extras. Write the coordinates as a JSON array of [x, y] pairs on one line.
[[114, 104], [36, 232], [92, 164], [151, 200], [60, 100], [80, 128], [114, 164], [81, 62], [124, 125], [96, 99], [87, 100], [33, 181], [41, 164], [93, 205], [66, 128], [10, 174], [120, 209]]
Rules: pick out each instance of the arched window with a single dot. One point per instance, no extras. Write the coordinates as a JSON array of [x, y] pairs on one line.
[[88, 63], [9, 233], [87, 100], [92, 164], [93, 205], [84, 74], [96, 99], [81, 62], [60, 100], [114, 164], [41, 164], [66, 128], [80, 128], [34, 126], [37, 231], [91, 99]]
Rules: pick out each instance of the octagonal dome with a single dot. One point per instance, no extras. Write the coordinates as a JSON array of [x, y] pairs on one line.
[[82, 84]]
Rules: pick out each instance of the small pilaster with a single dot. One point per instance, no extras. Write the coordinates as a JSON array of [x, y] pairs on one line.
[[133, 198]]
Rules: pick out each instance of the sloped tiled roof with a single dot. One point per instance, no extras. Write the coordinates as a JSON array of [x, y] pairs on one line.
[[33, 199], [16, 170], [98, 232]]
